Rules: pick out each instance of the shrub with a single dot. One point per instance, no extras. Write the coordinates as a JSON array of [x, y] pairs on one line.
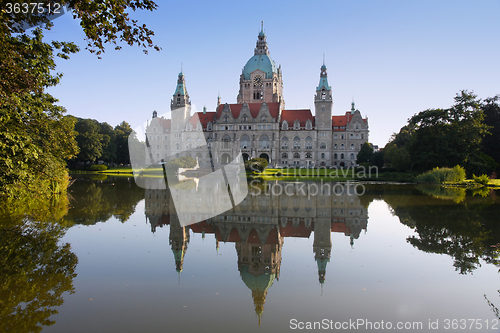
[[98, 167], [256, 164], [442, 175], [483, 179]]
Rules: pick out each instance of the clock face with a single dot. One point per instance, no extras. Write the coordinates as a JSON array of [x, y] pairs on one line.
[[257, 80]]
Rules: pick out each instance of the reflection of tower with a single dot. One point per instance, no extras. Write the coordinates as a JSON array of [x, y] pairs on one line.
[[179, 239], [322, 245], [259, 264]]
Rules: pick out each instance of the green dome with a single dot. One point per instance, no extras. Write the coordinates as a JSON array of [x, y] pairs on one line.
[[257, 283], [262, 62]]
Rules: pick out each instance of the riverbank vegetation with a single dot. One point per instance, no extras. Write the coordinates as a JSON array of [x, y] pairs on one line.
[[36, 137]]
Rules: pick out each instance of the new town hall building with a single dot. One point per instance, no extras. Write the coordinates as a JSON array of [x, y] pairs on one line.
[[258, 125]]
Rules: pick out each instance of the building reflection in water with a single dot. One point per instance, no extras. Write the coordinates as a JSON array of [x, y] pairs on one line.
[[259, 225]]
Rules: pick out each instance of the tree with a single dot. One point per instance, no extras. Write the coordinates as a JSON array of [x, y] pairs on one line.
[[122, 132], [35, 136], [108, 141], [396, 157], [89, 140], [365, 153], [490, 146]]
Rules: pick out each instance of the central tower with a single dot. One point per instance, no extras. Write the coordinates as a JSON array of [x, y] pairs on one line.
[[261, 80]]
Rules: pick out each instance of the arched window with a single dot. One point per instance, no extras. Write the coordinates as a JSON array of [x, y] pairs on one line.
[[296, 143], [284, 125], [352, 146], [322, 145], [284, 155], [177, 146], [322, 155], [244, 142], [309, 155], [264, 142], [351, 136], [296, 155], [188, 143], [335, 156], [226, 141], [308, 124], [342, 146], [352, 156], [309, 143], [341, 156], [335, 146], [284, 143]]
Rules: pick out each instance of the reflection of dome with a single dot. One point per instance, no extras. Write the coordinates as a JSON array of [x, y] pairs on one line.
[[257, 283], [262, 62]]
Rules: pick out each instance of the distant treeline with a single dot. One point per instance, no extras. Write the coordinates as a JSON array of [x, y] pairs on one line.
[[466, 134], [100, 142]]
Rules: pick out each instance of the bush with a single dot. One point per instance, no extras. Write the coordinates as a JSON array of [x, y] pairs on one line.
[[256, 164], [442, 175], [98, 167], [483, 179]]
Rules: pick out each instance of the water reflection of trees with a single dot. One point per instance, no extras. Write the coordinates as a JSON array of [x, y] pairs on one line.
[[98, 200], [447, 221], [35, 270]]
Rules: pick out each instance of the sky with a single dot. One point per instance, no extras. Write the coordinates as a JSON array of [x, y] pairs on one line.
[[394, 58]]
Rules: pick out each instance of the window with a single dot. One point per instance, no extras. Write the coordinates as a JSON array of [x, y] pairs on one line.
[[342, 146], [322, 145], [296, 143], [335, 156], [362, 136], [342, 136], [244, 142], [351, 136], [352, 146], [177, 146], [245, 118], [226, 141], [188, 143], [264, 142], [308, 155], [284, 143], [335, 146], [341, 156], [335, 136], [284, 155], [296, 125], [309, 144], [352, 156], [296, 155], [322, 155], [284, 125], [308, 125], [199, 142]]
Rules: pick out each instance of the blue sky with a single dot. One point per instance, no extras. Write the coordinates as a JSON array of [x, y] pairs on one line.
[[396, 58]]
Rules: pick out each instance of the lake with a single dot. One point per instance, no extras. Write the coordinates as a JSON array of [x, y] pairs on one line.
[[291, 256]]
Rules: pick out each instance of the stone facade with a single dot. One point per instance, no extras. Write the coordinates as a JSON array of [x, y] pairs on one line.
[[258, 125]]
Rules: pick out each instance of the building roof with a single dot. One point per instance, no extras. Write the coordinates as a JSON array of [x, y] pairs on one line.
[[262, 62], [301, 115], [274, 109], [204, 118]]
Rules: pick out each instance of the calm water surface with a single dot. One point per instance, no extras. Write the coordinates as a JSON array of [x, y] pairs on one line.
[[406, 254]]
